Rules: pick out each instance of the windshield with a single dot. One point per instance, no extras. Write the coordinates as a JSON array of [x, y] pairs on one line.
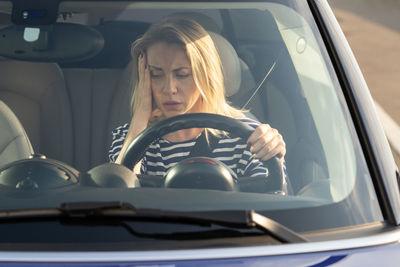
[[70, 85]]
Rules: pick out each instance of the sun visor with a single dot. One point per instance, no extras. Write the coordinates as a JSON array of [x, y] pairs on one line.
[[60, 42]]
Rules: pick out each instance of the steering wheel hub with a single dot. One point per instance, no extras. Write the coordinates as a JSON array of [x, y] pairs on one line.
[[201, 173]]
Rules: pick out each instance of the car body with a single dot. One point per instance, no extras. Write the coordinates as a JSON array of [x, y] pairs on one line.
[[66, 78]]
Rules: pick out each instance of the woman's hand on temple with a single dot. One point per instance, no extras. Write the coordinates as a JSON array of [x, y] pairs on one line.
[[144, 107], [266, 142]]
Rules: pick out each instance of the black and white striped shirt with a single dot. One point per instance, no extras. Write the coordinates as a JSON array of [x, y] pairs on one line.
[[161, 155]]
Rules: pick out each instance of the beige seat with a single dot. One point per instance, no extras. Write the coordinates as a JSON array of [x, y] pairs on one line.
[[14, 143], [37, 95]]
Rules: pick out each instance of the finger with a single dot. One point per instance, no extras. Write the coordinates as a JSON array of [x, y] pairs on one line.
[[149, 93], [147, 72], [144, 75], [265, 140], [259, 131], [264, 146], [141, 65], [276, 152]]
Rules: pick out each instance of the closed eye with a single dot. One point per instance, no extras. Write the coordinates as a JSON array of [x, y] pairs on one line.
[[182, 75], [155, 75]]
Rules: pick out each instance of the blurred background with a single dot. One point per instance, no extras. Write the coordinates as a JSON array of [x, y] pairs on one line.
[[372, 28]]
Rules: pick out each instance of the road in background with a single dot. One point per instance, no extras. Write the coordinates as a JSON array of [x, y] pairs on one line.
[[372, 28]]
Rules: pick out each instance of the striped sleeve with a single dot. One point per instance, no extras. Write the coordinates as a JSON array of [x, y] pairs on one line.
[[250, 165], [118, 138]]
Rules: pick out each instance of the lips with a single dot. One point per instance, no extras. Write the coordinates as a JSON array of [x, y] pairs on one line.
[[172, 105]]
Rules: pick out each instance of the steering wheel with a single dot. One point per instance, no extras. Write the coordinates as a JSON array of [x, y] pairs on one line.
[[137, 148]]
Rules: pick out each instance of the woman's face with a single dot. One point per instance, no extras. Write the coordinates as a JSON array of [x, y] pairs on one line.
[[172, 84]]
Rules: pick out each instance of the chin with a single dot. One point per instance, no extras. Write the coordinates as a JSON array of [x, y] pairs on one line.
[[173, 113]]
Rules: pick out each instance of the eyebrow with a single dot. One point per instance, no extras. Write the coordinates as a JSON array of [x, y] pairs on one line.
[[175, 70], [181, 68], [154, 67]]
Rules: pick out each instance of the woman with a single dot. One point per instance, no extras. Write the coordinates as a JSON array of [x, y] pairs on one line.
[[179, 71]]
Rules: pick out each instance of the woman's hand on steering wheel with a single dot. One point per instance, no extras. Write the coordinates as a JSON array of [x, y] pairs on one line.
[[266, 142]]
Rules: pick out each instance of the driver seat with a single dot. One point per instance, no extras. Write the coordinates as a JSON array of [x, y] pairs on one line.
[[14, 142]]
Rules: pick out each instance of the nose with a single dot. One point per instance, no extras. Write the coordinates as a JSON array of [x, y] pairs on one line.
[[171, 86]]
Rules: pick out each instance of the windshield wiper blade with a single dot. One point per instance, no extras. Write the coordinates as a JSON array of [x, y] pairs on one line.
[[70, 209], [235, 218], [229, 218], [94, 207], [276, 229]]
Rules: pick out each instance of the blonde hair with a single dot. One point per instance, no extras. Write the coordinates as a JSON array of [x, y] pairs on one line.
[[202, 55]]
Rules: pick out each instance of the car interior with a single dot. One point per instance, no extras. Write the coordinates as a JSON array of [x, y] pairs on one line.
[[69, 107], [65, 85]]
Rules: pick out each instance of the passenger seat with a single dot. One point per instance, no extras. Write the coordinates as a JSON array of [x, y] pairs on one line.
[[36, 93]]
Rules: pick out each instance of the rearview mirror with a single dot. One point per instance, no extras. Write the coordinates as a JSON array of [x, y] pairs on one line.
[[60, 42]]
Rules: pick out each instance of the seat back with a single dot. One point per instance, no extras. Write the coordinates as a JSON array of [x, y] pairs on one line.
[[36, 93]]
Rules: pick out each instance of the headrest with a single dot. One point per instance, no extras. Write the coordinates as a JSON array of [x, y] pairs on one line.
[[37, 77], [230, 64]]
